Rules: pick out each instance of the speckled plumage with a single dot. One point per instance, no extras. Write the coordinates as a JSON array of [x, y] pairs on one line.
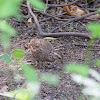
[[42, 50]]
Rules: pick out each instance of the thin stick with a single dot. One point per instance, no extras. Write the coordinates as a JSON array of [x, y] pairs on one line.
[[35, 19], [42, 34], [53, 5], [74, 19]]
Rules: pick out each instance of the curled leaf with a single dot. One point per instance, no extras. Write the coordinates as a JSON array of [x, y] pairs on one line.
[[73, 10]]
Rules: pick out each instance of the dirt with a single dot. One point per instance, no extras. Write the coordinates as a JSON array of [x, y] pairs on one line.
[[72, 49]]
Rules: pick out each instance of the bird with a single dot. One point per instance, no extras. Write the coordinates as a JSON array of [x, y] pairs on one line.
[[42, 50]]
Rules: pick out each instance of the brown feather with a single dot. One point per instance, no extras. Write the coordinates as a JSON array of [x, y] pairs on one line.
[[42, 50]]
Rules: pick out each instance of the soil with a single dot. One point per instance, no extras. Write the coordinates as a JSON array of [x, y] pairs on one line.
[[72, 49]]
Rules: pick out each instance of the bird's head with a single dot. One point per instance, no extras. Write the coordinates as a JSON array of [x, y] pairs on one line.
[[27, 46], [54, 56], [57, 56]]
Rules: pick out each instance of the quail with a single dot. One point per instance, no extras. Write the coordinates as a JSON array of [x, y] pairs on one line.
[[42, 50]]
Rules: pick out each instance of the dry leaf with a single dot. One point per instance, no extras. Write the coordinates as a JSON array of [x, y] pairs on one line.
[[30, 20], [73, 10], [49, 38]]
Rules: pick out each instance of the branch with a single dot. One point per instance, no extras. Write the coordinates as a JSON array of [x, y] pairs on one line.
[[35, 19], [42, 34], [74, 19], [53, 5]]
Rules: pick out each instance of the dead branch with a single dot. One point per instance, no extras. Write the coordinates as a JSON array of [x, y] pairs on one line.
[[74, 19], [53, 5], [59, 34]]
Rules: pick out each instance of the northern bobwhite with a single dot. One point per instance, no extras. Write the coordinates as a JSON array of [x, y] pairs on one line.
[[42, 50]]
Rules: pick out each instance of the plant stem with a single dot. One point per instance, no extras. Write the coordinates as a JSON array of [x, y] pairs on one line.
[[90, 47]]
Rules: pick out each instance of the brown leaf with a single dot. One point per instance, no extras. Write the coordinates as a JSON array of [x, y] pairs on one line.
[[73, 10]]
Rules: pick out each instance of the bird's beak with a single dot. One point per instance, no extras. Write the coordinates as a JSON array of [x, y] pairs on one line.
[[57, 55]]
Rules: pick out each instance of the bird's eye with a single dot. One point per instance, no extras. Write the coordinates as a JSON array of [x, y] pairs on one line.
[[26, 46]]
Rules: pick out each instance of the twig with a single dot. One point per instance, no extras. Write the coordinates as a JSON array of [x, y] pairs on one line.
[[59, 15], [46, 6], [53, 5], [42, 34], [50, 15], [74, 19], [59, 34], [35, 19], [95, 3]]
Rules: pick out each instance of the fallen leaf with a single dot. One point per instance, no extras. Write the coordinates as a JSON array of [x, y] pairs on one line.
[[73, 10], [30, 20], [49, 38]]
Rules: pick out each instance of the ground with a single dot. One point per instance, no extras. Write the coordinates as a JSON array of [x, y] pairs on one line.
[[72, 49]]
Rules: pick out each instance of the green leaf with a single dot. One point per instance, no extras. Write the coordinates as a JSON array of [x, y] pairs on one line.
[[38, 4], [5, 40], [18, 53], [98, 62], [95, 28], [6, 58], [50, 79], [7, 32], [30, 73], [77, 68], [21, 94], [7, 29], [9, 8]]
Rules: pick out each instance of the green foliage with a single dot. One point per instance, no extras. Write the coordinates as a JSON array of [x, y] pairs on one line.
[[98, 62], [33, 84], [5, 40], [77, 68], [9, 8], [38, 4], [18, 53], [6, 58], [7, 32], [50, 79], [20, 94], [29, 72], [95, 28], [92, 87], [6, 28]]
